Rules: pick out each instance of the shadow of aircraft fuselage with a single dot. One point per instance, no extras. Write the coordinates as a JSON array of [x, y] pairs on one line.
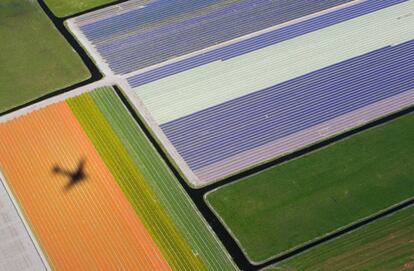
[[75, 177]]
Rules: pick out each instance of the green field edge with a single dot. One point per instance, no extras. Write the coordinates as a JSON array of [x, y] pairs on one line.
[[304, 243], [316, 258], [209, 193]]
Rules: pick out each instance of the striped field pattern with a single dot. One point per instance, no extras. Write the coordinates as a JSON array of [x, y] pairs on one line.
[[91, 227], [140, 34], [165, 185], [130, 213], [228, 109], [268, 115], [132, 183]]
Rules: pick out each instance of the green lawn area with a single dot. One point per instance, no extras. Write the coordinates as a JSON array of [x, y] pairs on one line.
[[386, 244], [286, 206], [34, 58], [62, 8]]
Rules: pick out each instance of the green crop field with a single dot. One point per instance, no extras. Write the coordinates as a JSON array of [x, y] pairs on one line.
[[148, 183], [386, 244], [34, 58], [289, 205], [62, 8]]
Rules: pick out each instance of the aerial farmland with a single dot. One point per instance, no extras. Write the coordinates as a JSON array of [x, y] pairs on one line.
[[89, 212], [207, 108], [206, 135]]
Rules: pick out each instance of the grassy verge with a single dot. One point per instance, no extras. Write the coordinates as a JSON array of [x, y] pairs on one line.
[[386, 244], [286, 206], [34, 58], [166, 187], [63, 8]]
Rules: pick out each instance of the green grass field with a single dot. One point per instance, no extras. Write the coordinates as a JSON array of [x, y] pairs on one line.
[[386, 244], [62, 8], [286, 206], [34, 58], [147, 181]]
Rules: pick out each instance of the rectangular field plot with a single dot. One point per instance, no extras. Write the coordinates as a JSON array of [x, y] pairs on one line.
[[289, 205], [35, 58], [112, 211], [240, 105], [89, 226], [138, 34], [387, 244]]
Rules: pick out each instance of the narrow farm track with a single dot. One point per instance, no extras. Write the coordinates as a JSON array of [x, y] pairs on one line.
[[70, 224]]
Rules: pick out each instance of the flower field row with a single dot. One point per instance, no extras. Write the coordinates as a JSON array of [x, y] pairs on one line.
[[128, 212]]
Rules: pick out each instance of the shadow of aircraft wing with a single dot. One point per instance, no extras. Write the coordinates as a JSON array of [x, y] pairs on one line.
[[74, 176]]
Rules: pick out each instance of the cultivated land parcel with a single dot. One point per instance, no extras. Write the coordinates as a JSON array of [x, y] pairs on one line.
[[386, 244], [243, 104], [83, 228], [129, 213], [34, 58], [223, 85], [286, 206], [280, 75]]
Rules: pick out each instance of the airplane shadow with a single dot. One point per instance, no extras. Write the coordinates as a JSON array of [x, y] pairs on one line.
[[75, 177]]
